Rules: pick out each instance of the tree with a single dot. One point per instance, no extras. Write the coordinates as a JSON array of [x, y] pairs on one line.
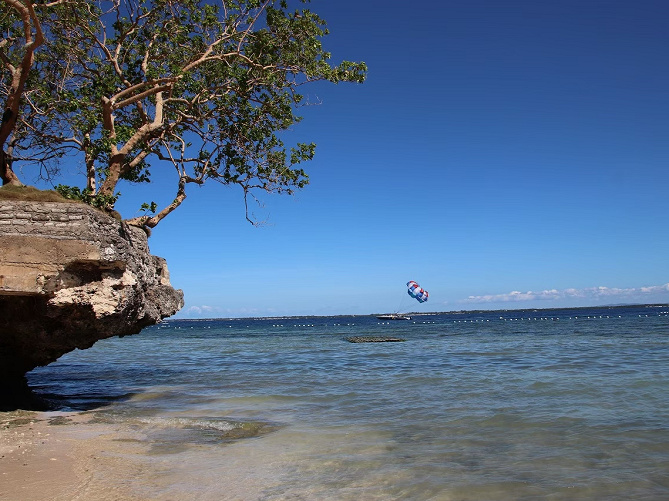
[[208, 87], [18, 70]]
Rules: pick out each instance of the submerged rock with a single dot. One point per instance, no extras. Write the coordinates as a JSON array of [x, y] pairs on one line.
[[69, 276], [374, 339]]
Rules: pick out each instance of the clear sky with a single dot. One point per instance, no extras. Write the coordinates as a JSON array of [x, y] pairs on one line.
[[503, 154]]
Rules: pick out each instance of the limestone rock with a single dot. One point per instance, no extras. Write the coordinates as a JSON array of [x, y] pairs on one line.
[[69, 276]]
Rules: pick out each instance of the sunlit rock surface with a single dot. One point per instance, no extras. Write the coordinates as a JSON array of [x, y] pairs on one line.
[[69, 276]]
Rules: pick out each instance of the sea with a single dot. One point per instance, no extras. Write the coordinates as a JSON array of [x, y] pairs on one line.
[[554, 404]]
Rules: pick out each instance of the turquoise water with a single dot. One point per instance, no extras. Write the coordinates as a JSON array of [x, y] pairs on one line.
[[547, 404]]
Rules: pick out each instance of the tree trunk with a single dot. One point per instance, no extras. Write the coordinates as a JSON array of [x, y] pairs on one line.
[[115, 166], [19, 77], [90, 165], [8, 123], [6, 173]]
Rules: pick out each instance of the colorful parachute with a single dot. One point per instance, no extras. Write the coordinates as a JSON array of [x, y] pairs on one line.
[[415, 291]]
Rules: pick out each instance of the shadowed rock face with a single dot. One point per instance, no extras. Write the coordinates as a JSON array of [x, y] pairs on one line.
[[69, 276]]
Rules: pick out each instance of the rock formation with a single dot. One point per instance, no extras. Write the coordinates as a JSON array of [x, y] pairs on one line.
[[69, 276]]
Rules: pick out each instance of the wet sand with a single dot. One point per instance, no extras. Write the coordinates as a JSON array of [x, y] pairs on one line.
[[69, 456], [62, 456]]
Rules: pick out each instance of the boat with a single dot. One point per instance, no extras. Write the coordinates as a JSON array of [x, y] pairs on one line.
[[416, 292], [393, 316]]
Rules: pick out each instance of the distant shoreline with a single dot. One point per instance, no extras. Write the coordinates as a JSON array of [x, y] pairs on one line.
[[423, 313]]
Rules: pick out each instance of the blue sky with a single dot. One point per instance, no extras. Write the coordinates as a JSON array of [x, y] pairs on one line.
[[501, 154]]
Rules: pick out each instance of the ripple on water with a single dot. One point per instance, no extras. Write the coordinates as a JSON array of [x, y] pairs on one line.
[[569, 409]]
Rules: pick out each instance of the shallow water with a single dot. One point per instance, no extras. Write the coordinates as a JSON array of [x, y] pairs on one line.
[[548, 404]]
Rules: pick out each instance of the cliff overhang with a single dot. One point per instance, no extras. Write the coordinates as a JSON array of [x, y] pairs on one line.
[[71, 275]]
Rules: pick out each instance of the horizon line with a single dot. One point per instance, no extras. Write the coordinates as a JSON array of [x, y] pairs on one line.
[[478, 310]]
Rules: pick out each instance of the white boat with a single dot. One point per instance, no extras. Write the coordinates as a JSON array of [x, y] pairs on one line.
[[393, 316]]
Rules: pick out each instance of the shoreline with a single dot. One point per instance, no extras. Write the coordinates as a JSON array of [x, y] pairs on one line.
[[542, 410], [86, 456], [61, 456]]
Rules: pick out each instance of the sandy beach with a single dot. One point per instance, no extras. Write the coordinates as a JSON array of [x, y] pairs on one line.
[[58, 456], [70, 456]]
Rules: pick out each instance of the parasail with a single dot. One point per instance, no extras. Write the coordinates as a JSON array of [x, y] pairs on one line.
[[417, 292]]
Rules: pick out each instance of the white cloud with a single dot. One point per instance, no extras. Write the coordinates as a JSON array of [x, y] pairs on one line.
[[590, 293], [201, 310], [206, 311]]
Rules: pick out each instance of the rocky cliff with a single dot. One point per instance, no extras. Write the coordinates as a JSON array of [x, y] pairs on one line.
[[69, 276]]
